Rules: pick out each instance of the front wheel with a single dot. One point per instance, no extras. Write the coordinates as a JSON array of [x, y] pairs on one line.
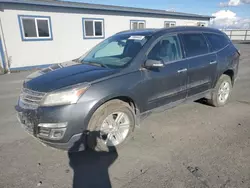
[[222, 91], [111, 126]]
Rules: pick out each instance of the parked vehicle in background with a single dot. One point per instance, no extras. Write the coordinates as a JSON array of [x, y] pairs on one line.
[[123, 78]]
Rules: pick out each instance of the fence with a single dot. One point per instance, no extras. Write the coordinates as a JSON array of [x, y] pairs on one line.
[[238, 34]]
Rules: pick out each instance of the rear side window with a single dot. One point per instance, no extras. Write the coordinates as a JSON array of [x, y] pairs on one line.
[[217, 41], [194, 44]]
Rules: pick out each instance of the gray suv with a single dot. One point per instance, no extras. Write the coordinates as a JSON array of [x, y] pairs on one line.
[[125, 77]]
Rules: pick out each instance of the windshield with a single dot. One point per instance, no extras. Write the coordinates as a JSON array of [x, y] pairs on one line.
[[116, 51]]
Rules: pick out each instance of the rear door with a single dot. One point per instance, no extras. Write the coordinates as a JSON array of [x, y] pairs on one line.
[[220, 45], [201, 63]]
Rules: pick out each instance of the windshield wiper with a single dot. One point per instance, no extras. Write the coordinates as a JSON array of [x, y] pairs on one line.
[[77, 60], [95, 64]]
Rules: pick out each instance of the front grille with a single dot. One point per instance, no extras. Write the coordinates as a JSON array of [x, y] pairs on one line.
[[30, 99], [26, 122]]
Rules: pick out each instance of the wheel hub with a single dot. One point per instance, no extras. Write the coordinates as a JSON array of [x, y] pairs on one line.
[[115, 128], [224, 92]]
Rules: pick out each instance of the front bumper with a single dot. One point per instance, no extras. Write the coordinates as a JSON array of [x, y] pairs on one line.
[[73, 138], [75, 144]]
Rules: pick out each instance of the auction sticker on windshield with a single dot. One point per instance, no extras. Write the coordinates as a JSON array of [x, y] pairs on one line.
[[136, 37]]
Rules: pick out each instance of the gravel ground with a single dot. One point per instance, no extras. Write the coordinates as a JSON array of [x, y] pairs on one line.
[[192, 145]]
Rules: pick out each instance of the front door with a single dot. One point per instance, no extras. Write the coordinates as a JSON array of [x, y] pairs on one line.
[[166, 84]]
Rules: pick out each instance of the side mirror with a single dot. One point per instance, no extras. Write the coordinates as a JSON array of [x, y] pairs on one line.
[[154, 63]]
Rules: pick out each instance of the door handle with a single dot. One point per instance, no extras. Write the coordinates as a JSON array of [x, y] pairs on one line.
[[212, 62], [182, 70]]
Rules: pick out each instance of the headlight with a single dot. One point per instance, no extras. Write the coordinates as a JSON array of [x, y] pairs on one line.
[[69, 95]]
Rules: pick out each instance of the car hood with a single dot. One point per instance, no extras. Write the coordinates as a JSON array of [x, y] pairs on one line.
[[65, 74]]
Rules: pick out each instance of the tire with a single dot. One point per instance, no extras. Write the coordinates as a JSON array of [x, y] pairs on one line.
[[215, 97], [96, 137]]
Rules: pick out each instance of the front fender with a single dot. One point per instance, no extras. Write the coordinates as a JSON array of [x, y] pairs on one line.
[[123, 86], [98, 103]]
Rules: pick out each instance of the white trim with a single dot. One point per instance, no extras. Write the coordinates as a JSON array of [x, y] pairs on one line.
[[36, 27], [49, 24], [93, 25]]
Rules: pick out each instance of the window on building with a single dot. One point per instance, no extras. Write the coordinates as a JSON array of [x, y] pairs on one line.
[[217, 41], [195, 44], [169, 24], [93, 28], [201, 24], [168, 49], [35, 27], [137, 24]]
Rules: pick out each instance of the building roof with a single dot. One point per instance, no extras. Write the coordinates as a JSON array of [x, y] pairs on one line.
[[78, 5]]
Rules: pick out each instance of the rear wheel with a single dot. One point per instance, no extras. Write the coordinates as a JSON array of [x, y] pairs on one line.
[[222, 91], [111, 126]]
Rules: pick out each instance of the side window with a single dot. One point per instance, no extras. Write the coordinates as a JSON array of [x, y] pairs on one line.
[[168, 49], [217, 41], [195, 44]]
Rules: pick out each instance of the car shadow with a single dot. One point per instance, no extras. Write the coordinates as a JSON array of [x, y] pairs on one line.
[[203, 101], [91, 167]]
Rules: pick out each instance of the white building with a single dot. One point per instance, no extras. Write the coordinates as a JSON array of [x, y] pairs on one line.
[[37, 33]]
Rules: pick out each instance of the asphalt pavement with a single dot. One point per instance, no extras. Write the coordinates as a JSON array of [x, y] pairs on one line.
[[192, 145]]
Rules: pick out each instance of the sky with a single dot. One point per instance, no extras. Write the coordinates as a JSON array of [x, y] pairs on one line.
[[228, 13]]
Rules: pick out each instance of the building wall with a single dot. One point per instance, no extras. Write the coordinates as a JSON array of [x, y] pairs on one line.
[[68, 42]]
